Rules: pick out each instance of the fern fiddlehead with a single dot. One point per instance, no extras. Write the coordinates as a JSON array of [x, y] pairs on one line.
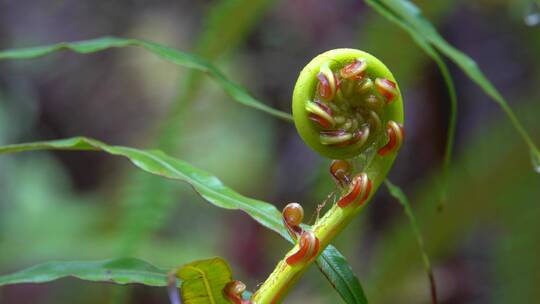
[[348, 107]]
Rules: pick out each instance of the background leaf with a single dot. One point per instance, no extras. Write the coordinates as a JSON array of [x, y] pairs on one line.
[[177, 57], [147, 200], [338, 271], [431, 52], [485, 239], [508, 209], [203, 281], [412, 15], [400, 196], [210, 188], [119, 271], [158, 163]]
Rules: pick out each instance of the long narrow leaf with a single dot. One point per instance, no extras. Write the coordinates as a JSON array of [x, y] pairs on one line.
[[412, 15], [337, 270], [158, 163], [477, 200], [120, 271], [210, 188], [396, 192], [177, 57], [430, 51]]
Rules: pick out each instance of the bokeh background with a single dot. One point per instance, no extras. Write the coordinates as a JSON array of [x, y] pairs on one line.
[[484, 243]]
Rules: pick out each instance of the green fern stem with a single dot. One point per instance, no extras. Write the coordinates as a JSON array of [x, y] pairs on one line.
[[337, 112]]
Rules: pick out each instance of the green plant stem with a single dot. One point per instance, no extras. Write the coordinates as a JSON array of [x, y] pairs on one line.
[[372, 164], [284, 276]]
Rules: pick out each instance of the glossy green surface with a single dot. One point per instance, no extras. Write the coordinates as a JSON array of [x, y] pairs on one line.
[[306, 86]]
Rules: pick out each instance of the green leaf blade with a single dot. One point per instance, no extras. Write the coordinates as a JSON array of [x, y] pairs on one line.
[[400, 196], [174, 56], [158, 163], [431, 52], [119, 271], [337, 270], [146, 161], [421, 27], [210, 188], [203, 281]]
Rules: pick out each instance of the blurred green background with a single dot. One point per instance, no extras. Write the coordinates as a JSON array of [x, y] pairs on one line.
[[484, 244]]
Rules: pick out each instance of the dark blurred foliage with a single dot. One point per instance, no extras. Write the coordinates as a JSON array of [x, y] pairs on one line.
[[67, 205]]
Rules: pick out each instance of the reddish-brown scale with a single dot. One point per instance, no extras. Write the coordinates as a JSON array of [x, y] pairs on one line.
[[315, 249], [349, 69], [389, 82], [355, 70], [324, 87], [309, 247], [320, 120], [233, 291], [391, 143], [402, 130], [298, 256], [366, 195], [292, 216], [324, 106], [357, 135], [394, 139], [338, 81], [298, 230], [294, 231], [352, 195], [333, 132], [386, 88], [340, 171]]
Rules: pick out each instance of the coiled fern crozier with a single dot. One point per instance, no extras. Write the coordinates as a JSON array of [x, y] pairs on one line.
[[347, 106]]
